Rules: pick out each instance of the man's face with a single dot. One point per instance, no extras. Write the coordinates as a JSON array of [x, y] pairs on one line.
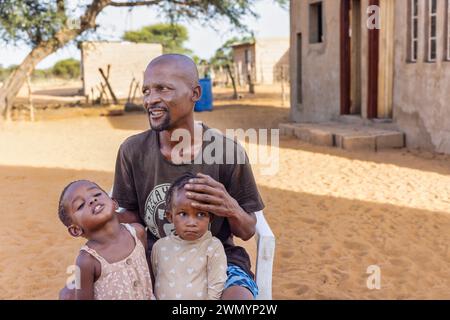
[[190, 223], [169, 96]]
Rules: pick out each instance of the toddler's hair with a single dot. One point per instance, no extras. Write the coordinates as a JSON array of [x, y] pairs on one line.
[[63, 216], [179, 183]]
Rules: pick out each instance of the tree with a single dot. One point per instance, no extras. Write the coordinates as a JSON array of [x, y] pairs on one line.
[[223, 58], [5, 72], [170, 35], [68, 68], [45, 26]]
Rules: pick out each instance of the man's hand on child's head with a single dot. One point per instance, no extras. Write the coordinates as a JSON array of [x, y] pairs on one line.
[[211, 196]]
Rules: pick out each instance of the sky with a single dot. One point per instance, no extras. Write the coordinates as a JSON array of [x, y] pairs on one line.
[[273, 21]]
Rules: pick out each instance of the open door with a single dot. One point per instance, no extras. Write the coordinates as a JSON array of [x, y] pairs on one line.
[[351, 57], [345, 57], [386, 60], [381, 63], [373, 61], [380, 60]]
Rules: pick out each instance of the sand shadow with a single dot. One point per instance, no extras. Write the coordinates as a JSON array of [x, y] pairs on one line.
[[36, 248], [324, 243], [64, 92], [412, 159], [268, 117]]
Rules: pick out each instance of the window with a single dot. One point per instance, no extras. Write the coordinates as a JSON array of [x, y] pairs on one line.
[[413, 30], [315, 23], [299, 68], [447, 55], [248, 56], [432, 31]]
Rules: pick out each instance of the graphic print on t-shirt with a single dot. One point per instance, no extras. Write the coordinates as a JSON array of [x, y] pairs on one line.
[[155, 207]]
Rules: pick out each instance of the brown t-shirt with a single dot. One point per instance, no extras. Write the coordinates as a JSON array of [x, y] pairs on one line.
[[143, 176]]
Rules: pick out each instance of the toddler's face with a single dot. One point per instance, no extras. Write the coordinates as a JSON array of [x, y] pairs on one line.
[[190, 223], [88, 206]]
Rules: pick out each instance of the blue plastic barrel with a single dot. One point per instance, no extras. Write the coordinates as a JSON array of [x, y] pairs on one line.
[[206, 100]]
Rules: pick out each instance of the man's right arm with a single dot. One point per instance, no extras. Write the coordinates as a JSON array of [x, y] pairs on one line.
[[124, 191]]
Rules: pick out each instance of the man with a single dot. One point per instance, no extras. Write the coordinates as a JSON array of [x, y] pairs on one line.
[[145, 168]]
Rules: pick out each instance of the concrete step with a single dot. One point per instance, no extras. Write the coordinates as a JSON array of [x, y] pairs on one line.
[[344, 135]]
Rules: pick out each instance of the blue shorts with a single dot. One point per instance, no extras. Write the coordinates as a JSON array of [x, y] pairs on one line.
[[238, 277]]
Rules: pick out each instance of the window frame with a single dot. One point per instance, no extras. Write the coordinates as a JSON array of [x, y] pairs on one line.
[[413, 29], [430, 38], [316, 7], [447, 34], [248, 56], [299, 69]]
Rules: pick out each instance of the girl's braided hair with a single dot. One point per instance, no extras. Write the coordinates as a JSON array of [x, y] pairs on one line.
[[179, 183]]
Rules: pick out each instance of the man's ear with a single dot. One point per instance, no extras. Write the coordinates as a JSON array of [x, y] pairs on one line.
[[169, 216], [196, 93], [75, 231]]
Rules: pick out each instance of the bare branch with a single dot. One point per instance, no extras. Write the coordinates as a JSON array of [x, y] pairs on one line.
[[134, 3], [60, 6], [88, 19]]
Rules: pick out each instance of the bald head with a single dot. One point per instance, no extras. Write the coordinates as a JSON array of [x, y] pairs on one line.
[[181, 64], [170, 91]]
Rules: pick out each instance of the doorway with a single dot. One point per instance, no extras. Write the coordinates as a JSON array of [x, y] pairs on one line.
[[373, 67], [351, 97], [386, 60], [380, 59]]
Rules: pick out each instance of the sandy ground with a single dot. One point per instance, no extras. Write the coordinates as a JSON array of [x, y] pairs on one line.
[[334, 213]]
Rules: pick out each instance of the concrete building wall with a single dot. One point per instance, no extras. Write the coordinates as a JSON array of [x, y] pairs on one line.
[[266, 56], [320, 64], [270, 54], [240, 66], [127, 60], [422, 89]]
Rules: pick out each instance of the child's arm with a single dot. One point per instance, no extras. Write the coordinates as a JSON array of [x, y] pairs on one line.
[[86, 263], [154, 259], [217, 270], [141, 234]]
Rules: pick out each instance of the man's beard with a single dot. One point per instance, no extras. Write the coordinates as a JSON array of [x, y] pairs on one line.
[[164, 125]]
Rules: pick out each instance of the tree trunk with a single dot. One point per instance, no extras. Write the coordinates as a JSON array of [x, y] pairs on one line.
[[17, 79], [235, 94], [251, 86], [30, 99]]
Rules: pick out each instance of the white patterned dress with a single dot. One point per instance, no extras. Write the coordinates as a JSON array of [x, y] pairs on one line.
[[189, 270]]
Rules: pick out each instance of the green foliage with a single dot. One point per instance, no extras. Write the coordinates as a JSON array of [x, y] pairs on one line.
[[30, 21], [68, 68], [5, 72], [196, 59], [42, 74], [171, 36], [36, 21], [224, 55]]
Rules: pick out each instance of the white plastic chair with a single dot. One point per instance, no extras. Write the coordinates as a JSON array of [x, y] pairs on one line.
[[265, 247], [265, 252]]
